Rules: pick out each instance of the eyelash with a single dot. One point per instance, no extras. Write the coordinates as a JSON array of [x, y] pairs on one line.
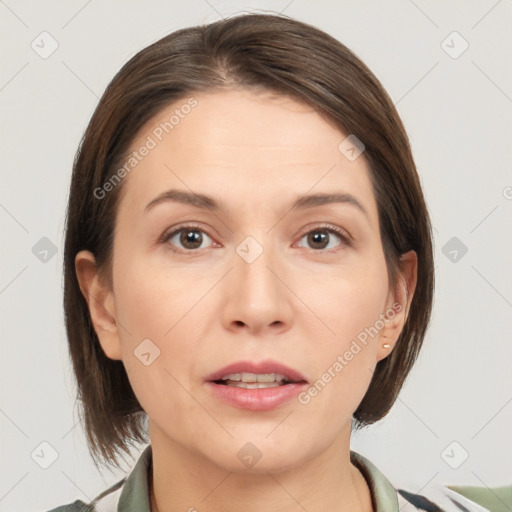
[[340, 233]]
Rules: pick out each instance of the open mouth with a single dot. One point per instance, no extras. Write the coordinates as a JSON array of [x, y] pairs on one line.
[[254, 386], [255, 381]]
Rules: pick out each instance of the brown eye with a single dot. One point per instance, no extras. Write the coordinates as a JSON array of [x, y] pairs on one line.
[[187, 238], [318, 239], [191, 239], [325, 238]]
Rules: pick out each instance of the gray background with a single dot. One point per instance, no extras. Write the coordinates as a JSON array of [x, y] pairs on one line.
[[457, 110]]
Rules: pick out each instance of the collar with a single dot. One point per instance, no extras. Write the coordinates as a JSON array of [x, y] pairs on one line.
[[384, 497], [135, 493]]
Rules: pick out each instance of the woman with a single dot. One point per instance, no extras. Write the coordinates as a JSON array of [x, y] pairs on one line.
[[248, 268]]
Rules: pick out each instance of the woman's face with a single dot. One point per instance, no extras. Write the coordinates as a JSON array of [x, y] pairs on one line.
[[251, 279]]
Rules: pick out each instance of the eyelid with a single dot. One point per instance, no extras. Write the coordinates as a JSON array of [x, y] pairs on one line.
[[326, 227], [169, 233], [344, 235]]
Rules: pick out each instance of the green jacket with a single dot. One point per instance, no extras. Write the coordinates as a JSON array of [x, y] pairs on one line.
[[131, 494]]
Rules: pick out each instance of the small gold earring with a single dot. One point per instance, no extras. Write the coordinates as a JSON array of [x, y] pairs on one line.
[[386, 345]]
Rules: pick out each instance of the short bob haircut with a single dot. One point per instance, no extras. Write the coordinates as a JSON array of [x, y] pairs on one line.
[[261, 52]]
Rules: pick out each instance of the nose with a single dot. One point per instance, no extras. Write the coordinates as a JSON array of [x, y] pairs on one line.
[[257, 298]]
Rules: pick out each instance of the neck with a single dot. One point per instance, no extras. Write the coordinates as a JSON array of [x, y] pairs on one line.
[[185, 480]]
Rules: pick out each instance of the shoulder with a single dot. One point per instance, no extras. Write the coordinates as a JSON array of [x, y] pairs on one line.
[[387, 497], [132, 491], [107, 501], [77, 506], [444, 498], [123, 495]]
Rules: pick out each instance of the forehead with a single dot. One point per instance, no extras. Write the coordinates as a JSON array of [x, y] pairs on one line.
[[245, 148]]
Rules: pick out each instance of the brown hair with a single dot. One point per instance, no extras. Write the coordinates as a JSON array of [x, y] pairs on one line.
[[270, 52]]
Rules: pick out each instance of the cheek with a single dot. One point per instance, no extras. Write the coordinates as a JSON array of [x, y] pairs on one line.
[[350, 305], [159, 311], [350, 300], [166, 307], [151, 300], [345, 362], [157, 337]]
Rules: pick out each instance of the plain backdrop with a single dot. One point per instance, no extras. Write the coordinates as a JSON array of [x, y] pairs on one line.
[[446, 65]]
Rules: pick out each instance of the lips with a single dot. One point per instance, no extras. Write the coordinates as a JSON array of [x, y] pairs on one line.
[[263, 367]]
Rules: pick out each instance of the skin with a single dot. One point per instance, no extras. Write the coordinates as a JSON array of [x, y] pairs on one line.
[[297, 303]]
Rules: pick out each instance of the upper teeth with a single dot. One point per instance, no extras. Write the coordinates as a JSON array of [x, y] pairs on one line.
[[255, 377]]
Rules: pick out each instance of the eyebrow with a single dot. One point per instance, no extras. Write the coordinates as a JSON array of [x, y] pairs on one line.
[[208, 203]]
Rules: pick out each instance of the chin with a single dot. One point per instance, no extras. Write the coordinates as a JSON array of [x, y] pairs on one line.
[[274, 464], [257, 455]]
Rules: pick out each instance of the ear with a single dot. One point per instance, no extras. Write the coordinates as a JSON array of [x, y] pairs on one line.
[[100, 301], [398, 305]]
